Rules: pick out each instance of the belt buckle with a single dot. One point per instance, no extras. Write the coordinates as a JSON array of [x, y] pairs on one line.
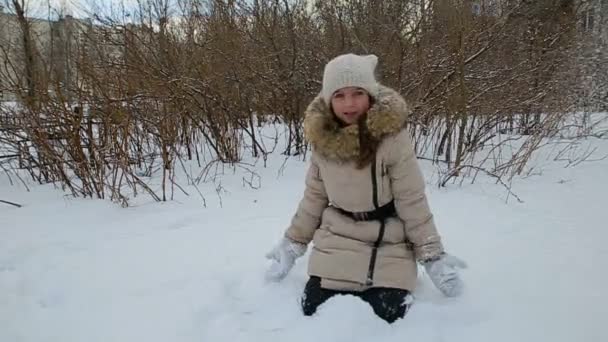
[[360, 216]]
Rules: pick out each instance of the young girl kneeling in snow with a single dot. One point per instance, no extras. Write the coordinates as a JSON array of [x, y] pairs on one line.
[[364, 205]]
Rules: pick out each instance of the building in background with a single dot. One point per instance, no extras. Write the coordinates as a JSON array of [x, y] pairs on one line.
[[54, 46]]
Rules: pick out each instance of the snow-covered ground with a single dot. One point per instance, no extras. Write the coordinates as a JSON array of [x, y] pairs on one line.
[[88, 270]]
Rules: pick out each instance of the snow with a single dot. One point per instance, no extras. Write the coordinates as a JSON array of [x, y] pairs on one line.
[[89, 270]]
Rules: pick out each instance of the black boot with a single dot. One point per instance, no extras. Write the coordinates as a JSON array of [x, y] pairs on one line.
[[388, 303], [314, 295]]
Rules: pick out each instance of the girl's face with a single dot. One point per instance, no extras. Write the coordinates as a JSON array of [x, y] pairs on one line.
[[350, 103]]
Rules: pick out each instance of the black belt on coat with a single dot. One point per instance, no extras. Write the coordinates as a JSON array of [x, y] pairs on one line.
[[381, 213]]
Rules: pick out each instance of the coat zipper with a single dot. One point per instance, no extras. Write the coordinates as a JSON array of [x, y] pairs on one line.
[[372, 263]]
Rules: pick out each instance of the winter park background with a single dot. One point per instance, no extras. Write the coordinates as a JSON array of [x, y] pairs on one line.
[[151, 153]]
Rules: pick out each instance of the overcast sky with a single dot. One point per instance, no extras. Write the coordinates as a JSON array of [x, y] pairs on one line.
[[84, 8], [76, 8]]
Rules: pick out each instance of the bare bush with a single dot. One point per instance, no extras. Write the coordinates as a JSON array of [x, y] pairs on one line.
[[104, 103]]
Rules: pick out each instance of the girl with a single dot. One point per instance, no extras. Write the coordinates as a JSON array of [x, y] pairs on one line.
[[364, 206]]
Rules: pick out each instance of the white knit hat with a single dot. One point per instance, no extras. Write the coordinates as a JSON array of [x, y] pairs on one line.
[[350, 70]]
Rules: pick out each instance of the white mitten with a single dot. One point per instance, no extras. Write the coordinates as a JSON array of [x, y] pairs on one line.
[[283, 258], [444, 275]]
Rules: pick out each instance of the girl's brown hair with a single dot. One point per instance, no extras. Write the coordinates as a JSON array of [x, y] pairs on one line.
[[368, 144]]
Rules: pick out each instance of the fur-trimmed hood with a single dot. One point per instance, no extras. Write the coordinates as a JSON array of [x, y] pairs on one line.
[[386, 117]]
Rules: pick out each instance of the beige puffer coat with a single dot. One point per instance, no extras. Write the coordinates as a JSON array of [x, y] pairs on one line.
[[342, 248]]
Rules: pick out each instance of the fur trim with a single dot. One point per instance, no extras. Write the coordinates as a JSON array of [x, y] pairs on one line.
[[386, 117]]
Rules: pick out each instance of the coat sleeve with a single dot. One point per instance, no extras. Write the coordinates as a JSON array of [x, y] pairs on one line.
[[308, 215], [408, 188]]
